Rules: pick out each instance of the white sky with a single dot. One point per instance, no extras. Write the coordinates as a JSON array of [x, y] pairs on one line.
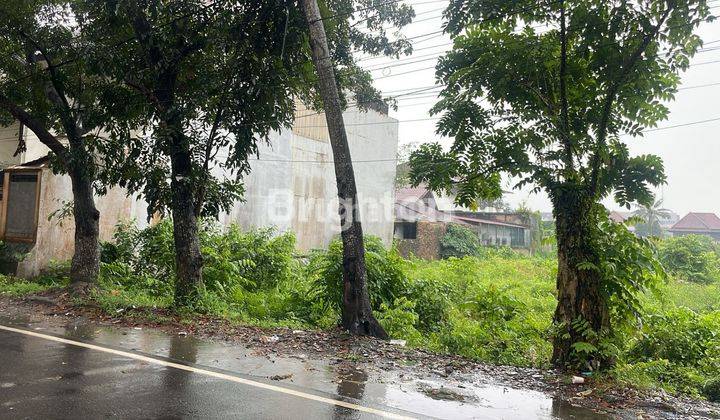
[[691, 154]]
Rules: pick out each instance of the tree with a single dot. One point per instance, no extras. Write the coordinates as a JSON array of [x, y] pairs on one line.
[[652, 214], [45, 85], [213, 79], [402, 170], [543, 92], [357, 316]]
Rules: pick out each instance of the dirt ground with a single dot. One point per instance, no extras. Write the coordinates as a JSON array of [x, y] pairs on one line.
[[343, 351]]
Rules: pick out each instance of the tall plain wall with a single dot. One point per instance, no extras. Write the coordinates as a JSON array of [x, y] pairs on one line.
[[292, 184]]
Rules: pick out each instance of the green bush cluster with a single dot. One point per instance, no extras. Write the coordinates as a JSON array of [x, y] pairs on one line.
[[459, 242], [385, 277], [694, 258], [678, 350], [251, 275]]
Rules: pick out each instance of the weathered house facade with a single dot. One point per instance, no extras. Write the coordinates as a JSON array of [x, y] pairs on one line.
[[420, 225], [291, 186]]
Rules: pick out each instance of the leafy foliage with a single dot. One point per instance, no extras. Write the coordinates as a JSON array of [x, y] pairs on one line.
[[386, 280], [400, 319], [256, 259], [459, 242], [680, 336], [496, 308], [651, 215], [629, 268], [676, 350], [255, 63], [694, 258], [711, 389]]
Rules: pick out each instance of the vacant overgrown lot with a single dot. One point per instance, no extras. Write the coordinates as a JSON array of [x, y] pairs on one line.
[[495, 306]]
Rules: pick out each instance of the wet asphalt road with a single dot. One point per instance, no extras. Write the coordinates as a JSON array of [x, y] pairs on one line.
[[75, 369], [45, 379]]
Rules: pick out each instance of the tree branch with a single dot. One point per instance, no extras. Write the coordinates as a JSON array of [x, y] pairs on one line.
[[47, 138], [200, 197], [150, 95], [55, 91], [569, 166], [613, 90]]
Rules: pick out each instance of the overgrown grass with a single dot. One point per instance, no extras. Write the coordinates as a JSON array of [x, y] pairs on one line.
[[55, 277], [498, 307], [495, 307]]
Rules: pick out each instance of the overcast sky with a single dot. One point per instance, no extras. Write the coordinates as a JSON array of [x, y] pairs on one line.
[[691, 154]]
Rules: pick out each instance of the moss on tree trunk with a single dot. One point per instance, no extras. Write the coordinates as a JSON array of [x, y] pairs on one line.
[[579, 290]]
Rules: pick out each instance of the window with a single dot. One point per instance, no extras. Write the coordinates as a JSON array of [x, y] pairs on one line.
[[21, 206], [405, 230], [517, 237]]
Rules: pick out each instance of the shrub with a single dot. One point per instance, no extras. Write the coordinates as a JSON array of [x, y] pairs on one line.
[[11, 254], [494, 304], [711, 389], [145, 259], [386, 280], [254, 259], [691, 257], [660, 374], [459, 241], [433, 300], [680, 336], [400, 320]]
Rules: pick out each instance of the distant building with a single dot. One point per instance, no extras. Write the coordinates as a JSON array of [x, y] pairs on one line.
[[420, 226], [707, 224], [619, 216]]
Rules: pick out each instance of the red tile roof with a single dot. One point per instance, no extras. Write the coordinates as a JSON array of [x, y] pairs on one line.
[[698, 222]]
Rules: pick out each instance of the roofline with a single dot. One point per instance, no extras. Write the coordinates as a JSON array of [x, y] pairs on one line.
[[490, 222], [672, 229], [38, 163], [695, 216]]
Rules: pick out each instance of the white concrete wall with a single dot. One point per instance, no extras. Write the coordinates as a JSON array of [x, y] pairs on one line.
[[9, 142], [292, 185]]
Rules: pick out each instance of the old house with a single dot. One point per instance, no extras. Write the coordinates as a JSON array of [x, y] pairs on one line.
[[498, 229], [291, 187], [707, 224], [420, 225]]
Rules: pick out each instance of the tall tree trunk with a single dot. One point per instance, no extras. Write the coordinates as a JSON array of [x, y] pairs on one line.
[[580, 298], [188, 259], [85, 264], [357, 314]]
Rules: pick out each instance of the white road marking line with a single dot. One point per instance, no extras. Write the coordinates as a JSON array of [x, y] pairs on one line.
[[218, 375]]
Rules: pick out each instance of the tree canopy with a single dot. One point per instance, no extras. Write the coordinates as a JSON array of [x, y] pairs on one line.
[[234, 70], [547, 98]]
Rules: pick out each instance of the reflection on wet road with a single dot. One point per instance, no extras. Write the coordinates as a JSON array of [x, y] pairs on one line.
[[43, 378]]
